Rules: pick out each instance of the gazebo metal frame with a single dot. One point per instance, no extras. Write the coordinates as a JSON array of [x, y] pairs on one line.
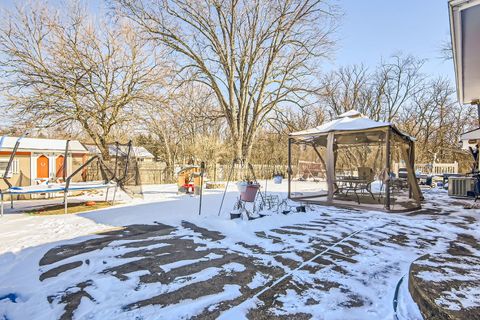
[[335, 138]]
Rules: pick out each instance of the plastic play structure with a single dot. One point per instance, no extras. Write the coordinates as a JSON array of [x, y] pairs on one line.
[[188, 178], [110, 178]]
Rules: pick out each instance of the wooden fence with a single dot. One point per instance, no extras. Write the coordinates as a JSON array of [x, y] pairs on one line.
[[157, 173], [154, 173], [432, 168]]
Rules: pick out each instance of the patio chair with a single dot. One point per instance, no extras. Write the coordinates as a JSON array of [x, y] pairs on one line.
[[476, 187], [475, 193], [367, 175], [365, 178]]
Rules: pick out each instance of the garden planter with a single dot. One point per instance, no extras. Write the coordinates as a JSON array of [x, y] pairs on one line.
[[277, 179], [250, 193], [242, 186], [235, 215], [301, 209]]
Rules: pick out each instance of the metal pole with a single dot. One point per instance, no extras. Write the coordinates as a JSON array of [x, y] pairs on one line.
[[226, 185], [202, 171], [115, 168], [66, 201], [289, 168], [387, 167], [114, 194], [1, 196], [65, 163], [478, 112], [266, 177], [250, 166], [10, 161]]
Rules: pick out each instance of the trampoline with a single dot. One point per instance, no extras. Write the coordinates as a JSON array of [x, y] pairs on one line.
[[110, 181]]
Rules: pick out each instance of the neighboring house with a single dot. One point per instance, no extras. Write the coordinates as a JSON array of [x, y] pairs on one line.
[[465, 32], [141, 154], [39, 160]]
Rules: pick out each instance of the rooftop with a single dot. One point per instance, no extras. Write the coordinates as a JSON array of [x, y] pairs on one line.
[[40, 144]]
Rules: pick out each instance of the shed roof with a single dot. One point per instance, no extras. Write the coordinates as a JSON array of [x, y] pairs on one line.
[[40, 144], [348, 121], [139, 152]]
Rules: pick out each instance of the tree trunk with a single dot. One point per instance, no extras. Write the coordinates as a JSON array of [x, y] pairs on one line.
[[103, 148]]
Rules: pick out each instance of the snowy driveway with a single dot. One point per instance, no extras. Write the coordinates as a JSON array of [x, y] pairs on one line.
[[327, 264]]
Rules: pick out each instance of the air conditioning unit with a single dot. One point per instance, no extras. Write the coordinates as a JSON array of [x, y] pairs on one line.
[[460, 186]]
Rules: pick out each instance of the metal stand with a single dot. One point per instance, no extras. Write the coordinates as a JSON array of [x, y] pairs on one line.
[[114, 194], [202, 171], [65, 200], [226, 185], [234, 162], [255, 180]]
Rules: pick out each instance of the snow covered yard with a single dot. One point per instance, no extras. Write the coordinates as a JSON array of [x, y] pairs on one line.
[[170, 263]]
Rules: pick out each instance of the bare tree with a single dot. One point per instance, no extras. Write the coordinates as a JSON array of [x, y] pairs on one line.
[[184, 125], [69, 70], [345, 89], [436, 119], [254, 55], [380, 94], [396, 81], [446, 50]]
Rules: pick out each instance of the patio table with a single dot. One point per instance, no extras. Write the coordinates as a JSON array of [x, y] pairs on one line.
[[348, 183]]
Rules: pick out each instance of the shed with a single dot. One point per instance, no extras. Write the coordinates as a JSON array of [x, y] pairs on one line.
[[38, 160]]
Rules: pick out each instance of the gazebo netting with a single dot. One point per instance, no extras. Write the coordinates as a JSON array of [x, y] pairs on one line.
[[348, 161]]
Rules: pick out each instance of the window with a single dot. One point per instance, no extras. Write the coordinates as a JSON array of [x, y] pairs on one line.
[[14, 169]]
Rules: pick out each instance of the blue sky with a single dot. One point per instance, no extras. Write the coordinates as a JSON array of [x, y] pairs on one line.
[[372, 29]]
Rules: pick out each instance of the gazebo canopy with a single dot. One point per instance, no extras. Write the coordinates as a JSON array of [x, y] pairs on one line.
[[350, 152], [350, 121], [470, 138]]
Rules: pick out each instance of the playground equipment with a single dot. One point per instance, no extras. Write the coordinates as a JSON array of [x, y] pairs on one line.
[[188, 178], [110, 179], [248, 189]]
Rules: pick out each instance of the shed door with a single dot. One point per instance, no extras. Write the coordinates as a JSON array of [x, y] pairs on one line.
[[59, 166], [42, 167]]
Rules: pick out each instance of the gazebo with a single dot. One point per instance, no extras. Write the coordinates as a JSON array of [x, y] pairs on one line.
[[347, 162]]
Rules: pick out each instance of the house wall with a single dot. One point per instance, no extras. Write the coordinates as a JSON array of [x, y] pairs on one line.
[[27, 169], [23, 177], [76, 161], [73, 162]]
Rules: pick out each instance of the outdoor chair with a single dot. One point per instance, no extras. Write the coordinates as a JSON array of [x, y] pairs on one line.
[[367, 175], [361, 183], [476, 188]]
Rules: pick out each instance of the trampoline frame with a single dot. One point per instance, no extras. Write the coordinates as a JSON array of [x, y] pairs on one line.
[[110, 182]]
